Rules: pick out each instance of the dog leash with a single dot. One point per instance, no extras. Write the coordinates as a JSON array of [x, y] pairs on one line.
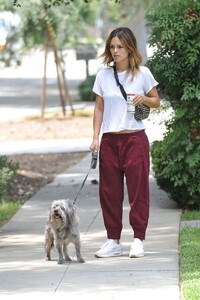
[[92, 166]]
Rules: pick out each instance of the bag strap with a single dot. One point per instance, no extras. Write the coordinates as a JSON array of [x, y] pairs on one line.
[[142, 110], [119, 84]]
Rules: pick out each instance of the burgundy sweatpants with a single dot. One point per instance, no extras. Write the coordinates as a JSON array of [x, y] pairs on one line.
[[124, 155]]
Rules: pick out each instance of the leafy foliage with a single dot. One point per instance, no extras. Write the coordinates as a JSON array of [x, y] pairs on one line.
[[50, 3], [73, 21], [85, 89], [7, 172], [70, 23], [176, 65]]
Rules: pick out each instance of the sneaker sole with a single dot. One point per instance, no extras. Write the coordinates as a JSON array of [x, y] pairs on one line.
[[137, 255], [106, 256]]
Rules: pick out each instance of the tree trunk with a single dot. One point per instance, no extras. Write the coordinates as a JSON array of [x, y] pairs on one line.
[[43, 96], [137, 25]]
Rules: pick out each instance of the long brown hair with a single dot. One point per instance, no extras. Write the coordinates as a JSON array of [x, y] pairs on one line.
[[127, 38]]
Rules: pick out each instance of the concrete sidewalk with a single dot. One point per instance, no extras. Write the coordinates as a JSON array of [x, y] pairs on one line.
[[25, 274], [45, 146]]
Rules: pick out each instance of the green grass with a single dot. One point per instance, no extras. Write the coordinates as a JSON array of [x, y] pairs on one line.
[[7, 210], [191, 215], [190, 258]]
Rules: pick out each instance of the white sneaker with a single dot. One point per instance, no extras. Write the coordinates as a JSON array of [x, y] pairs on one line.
[[109, 249], [137, 249]]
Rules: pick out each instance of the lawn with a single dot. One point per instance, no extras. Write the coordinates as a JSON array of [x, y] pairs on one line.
[[190, 258], [7, 210]]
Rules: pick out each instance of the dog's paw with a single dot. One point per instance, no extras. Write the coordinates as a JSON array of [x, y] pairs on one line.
[[60, 261], [67, 258], [47, 258], [81, 260]]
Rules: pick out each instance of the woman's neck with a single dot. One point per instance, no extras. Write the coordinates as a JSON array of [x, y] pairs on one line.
[[121, 67]]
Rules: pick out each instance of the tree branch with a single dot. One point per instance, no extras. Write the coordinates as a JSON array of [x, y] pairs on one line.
[[16, 3], [55, 2]]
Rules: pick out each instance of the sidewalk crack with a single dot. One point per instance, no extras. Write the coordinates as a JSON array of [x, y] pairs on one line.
[[67, 267]]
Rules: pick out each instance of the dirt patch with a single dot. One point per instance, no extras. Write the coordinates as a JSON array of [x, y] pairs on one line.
[[36, 170], [53, 126]]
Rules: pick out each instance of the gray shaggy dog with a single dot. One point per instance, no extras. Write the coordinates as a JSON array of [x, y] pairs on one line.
[[62, 229]]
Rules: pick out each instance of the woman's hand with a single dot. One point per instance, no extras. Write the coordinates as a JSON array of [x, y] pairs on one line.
[[95, 145], [138, 99], [152, 99]]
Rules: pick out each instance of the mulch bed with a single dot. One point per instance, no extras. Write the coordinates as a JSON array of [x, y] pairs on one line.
[[36, 170]]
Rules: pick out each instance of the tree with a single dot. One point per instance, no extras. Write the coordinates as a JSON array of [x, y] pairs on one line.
[[70, 22], [78, 22], [175, 34], [106, 13]]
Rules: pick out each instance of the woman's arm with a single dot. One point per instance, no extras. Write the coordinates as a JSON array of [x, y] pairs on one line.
[[152, 99], [97, 121]]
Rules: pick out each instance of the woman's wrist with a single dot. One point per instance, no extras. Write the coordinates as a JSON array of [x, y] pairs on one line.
[[95, 138], [150, 101]]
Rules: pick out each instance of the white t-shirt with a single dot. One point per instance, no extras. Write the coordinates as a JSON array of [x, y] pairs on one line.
[[115, 116]]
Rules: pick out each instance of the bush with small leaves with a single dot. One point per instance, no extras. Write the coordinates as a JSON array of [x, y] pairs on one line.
[[176, 65], [7, 172], [85, 89]]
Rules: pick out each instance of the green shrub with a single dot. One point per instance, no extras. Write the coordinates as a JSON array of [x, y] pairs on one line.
[[85, 89], [176, 162], [7, 172], [176, 65]]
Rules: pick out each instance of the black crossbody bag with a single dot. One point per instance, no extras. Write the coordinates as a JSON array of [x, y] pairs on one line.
[[141, 111]]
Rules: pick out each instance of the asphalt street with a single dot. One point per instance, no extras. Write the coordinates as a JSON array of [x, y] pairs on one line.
[[21, 87]]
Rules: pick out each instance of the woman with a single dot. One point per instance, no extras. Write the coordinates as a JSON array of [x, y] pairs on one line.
[[124, 149]]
